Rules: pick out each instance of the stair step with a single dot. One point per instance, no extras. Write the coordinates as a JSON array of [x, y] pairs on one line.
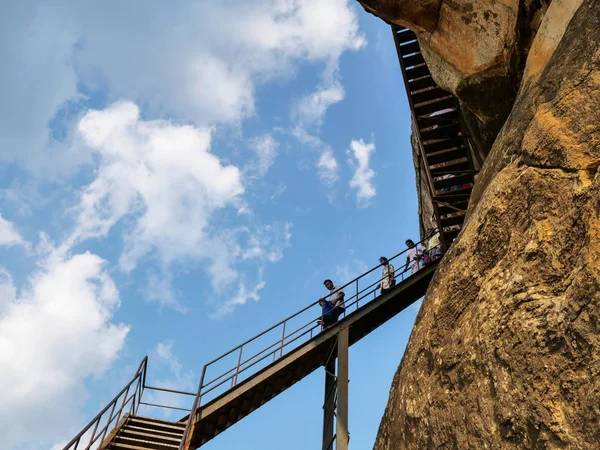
[[115, 445], [174, 434], [452, 215], [442, 144], [428, 94], [153, 420], [439, 119], [440, 182], [447, 151], [446, 164], [136, 434], [452, 228], [406, 36], [413, 60], [439, 104], [461, 204], [463, 192], [157, 425], [408, 48], [145, 443], [417, 72], [451, 129], [421, 83]]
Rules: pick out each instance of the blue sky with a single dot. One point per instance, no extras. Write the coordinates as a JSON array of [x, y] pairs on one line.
[[175, 180]]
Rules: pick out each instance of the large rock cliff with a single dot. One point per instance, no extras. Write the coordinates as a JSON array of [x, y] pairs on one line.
[[505, 353]]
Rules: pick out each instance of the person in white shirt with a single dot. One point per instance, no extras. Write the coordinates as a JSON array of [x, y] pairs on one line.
[[337, 296], [413, 256], [387, 275]]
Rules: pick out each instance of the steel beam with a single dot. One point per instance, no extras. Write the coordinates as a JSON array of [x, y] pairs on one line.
[[329, 403], [342, 389]]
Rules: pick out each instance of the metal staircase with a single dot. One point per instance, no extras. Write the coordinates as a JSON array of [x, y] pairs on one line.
[[146, 433], [237, 383], [248, 376], [448, 155]]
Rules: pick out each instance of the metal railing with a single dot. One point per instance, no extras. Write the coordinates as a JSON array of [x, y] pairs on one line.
[[92, 435], [283, 344], [128, 401]]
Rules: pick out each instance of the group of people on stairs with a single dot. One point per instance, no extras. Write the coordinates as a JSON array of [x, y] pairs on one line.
[[417, 257]]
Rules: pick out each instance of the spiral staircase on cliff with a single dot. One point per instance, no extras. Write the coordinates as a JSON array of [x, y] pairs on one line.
[[240, 381]]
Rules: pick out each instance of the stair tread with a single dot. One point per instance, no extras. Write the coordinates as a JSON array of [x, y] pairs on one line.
[[157, 435], [448, 163], [452, 215], [129, 446], [434, 100], [171, 433], [448, 150], [145, 441], [157, 421]]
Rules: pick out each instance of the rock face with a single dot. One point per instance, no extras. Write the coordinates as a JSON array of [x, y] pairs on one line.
[[505, 353], [476, 49]]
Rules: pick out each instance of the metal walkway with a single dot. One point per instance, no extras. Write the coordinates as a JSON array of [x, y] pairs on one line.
[[240, 381]]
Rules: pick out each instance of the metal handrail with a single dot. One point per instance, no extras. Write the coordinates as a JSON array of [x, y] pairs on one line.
[[276, 349], [139, 379]]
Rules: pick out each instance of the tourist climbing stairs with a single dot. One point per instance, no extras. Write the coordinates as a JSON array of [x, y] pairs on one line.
[[444, 147], [241, 380]]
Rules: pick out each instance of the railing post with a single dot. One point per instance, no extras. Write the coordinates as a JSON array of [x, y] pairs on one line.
[[282, 339], [187, 433], [237, 369], [357, 293], [132, 407]]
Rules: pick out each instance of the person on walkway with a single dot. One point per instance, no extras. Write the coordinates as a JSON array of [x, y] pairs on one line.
[[433, 244], [388, 279], [329, 314], [337, 296], [413, 256]]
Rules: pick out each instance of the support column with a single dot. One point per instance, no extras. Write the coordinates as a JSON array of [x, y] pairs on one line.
[[329, 404], [342, 390]]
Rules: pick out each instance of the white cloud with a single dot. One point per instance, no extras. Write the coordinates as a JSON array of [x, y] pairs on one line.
[[311, 109], [242, 296], [362, 180], [196, 68], [265, 151], [350, 270], [53, 335], [162, 175], [161, 181], [9, 235], [327, 167], [8, 292]]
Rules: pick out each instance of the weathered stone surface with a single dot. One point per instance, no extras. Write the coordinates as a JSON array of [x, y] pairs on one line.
[[505, 353], [475, 49]]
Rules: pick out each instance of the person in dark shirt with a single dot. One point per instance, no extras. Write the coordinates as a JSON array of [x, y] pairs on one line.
[[329, 313]]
